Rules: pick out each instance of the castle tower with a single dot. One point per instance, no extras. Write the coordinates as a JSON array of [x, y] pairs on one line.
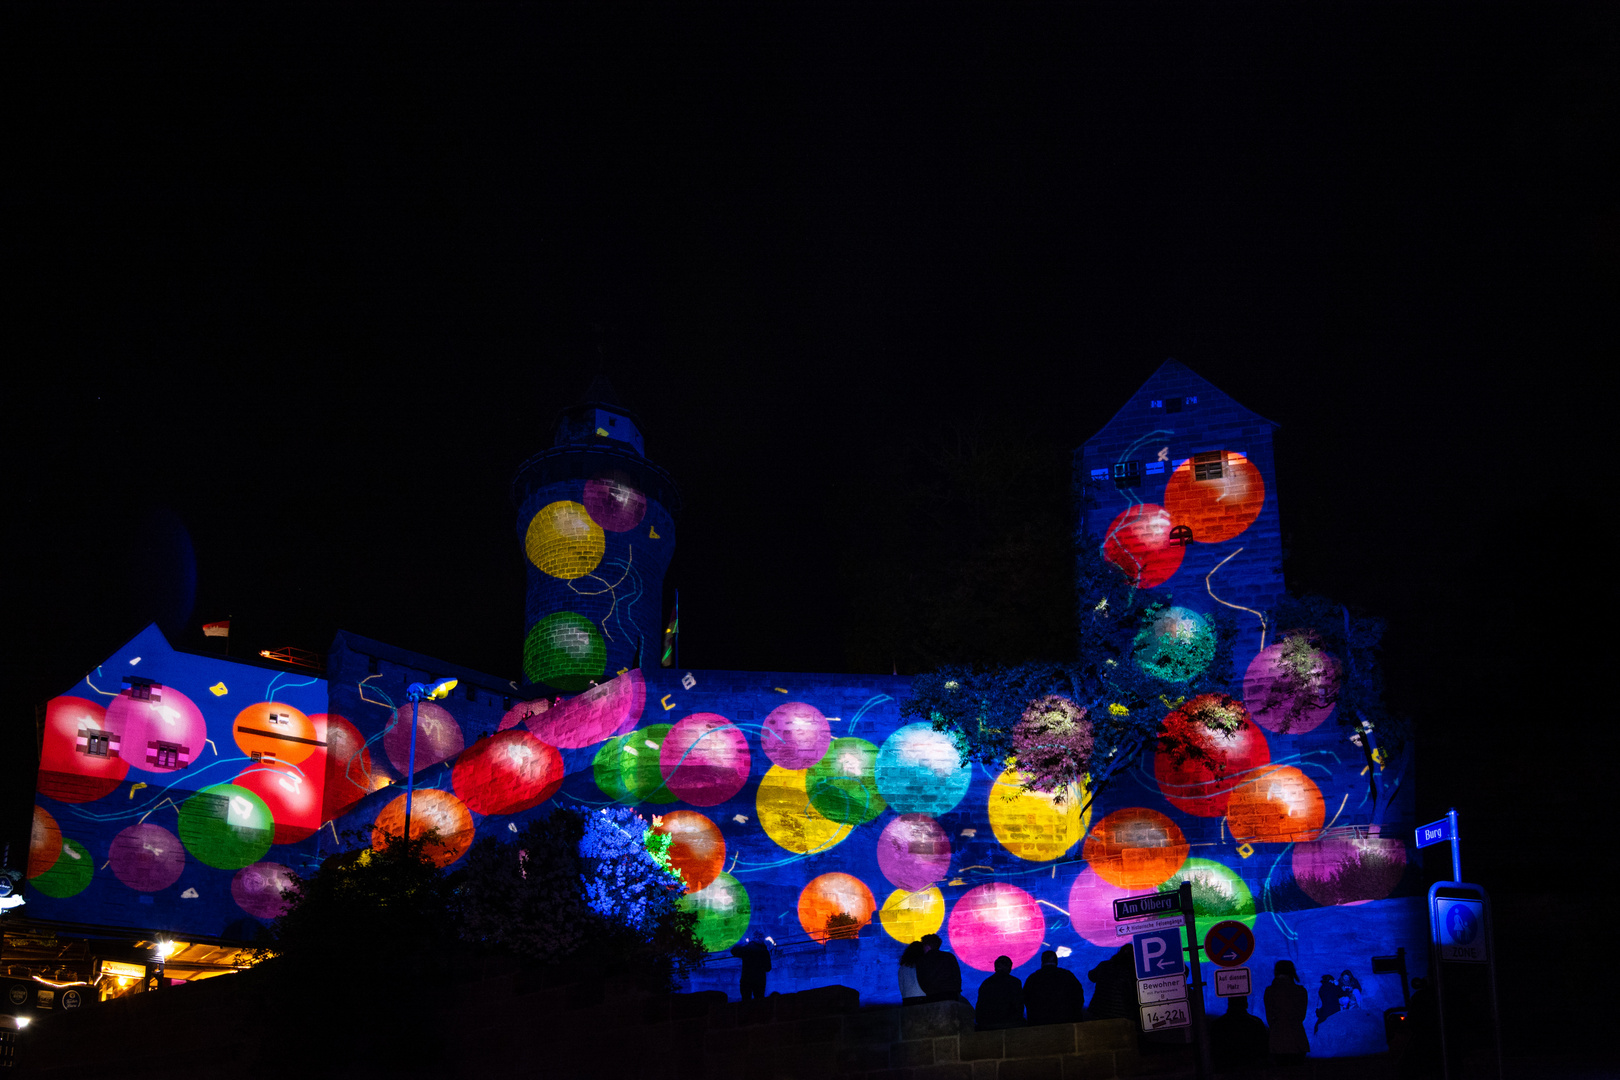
[[1180, 491], [596, 521]]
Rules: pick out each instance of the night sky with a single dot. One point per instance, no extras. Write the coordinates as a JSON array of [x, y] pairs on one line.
[[301, 288]]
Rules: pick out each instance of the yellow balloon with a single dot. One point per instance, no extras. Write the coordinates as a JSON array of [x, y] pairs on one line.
[[788, 818], [563, 541], [1032, 824], [907, 916]]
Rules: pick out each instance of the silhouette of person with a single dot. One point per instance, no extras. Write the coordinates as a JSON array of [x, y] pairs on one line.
[[1001, 999], [910, 991], [1328, 994], [938, 974], [756, 961], [1053, 995], [1115, 979], [1238, 1038], [1420, 1057], [1286, 1006]]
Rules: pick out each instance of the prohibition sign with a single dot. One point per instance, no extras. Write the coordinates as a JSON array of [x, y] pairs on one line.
[[1229, 944]]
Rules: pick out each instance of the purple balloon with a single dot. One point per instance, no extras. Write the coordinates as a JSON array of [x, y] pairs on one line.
[[795, 735], [614, 503], [1349, 870], [438, 736], [914, 852], [147, 858], [257, 889]]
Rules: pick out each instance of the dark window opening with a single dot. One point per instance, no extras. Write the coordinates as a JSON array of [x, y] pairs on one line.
[[1172, 405], [372, 666], [472, 693], [166, 756], [1128, 474], [1208, 466], [97, 743]]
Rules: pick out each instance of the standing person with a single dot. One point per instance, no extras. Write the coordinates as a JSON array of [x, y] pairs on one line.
[[1001, 999], [938, 973], [1328, 992], [1115, 978], [1053, 995], [1238, 1038], [910, 991], [1286, 1006], [756, 961]]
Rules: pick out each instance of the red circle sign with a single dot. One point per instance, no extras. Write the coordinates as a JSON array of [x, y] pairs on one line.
[[1229, 944]]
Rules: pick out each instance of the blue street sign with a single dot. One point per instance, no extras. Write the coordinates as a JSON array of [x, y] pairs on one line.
[[1437, 833], [1460, 930], [1158, 953]]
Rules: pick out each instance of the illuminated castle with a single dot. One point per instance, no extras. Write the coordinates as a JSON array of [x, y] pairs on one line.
[[176, 791]]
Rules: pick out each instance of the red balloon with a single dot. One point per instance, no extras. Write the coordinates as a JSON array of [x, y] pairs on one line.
[[44, 843], [1138, 542], [345, 764], [697, 849], [1193, 786], [292, 794], [1220, 506], [68, 772], [507, 773]]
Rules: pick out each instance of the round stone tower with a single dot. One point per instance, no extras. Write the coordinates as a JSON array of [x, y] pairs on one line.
[[596, 520]]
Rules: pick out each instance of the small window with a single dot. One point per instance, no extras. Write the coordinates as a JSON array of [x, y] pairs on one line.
[[1208, 466], [280, 719], [472, 692], [372, 666], [97, 744], [1155, 468], [1128, 474], [1099, 474], [166, 756], [144, 690]]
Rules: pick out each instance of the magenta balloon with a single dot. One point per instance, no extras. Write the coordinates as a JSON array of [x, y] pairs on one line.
[[147, 858], [704, 759], [599, 713], [1091, 908], [438, 736], [168, 717], [914, 852], [795, 735], [996, 920], [1273, 705], [1349, 870], [257, 889], [614, 503]]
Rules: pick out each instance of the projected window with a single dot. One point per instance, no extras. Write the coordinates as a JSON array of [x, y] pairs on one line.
[[166, 755], [98, 743], [1208, 466], [145, 690], [1128, 474]]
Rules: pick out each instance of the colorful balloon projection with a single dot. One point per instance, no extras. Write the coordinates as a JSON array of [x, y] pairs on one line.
[[1291, 686], [1091, 908], [789, 819], [1138, 542], [226, 826], [704, 759], [907, 916], [1176, 647], [257, 889], [835, 905], [71, 873], [1218, 893], [564, 650], [613, 503], [44, 843], [507, 773], [1136, 847], [271, 730], [437, 815], [599, 713], [919, 771], [148, 858], [994, 920], [843, 784], [697, 850], [438, 737], [563, 541], [913, 852], [1199, 788], [346, 765], [795, 735], [291, 796], [76, 765], [1278, 806], [1345, 870], [1215, 495], [627, 768], [722, 911], [1034, 825], [162, 732]]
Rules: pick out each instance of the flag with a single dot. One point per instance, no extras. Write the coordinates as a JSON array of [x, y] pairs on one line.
[[217, 629]]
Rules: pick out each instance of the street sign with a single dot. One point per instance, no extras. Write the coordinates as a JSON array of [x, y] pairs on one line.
[[1460, 926], [1135, 907], [1437, 833], [1128, 929], [1171, 1014], [1164, 988], [1232, 982], [1229, 943], [1158, 953]]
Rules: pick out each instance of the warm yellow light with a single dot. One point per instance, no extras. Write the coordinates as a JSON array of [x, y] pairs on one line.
[[121, 969], [22, 1022]]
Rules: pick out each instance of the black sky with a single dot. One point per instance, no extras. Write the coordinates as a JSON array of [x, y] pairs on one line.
[[311, 283]]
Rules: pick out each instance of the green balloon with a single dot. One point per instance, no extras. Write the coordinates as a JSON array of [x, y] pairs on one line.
[[722, 910], [70, 874], [226, 827], [1219, 894], [843, 785], [626, 767], [564, 650]]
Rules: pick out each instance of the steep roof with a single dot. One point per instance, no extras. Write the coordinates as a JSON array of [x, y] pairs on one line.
[[1172, 378]]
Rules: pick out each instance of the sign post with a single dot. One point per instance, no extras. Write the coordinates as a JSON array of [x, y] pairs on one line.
[[1200, 1024], [1464, 964], [1161, 987]]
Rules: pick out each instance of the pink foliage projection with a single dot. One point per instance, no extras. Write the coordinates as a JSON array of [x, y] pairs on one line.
[[1091, 908], [147, 857], [438, 737], [168, 717], [1289, 690], [914, 851], [507, 773], [1138, 542], [66, 772], [996, 920], [704, 759], [1349, 870], [614, 503], [257, 889], [599, 713], [795, 735]]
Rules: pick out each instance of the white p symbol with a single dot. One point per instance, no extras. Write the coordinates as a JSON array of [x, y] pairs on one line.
[[1152, 949]]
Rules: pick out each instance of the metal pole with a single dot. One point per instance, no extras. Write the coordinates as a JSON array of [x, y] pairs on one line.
[[410, 781], [1456, 853], [1195, 993]]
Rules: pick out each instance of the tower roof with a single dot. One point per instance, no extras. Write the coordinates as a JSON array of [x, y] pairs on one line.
[[1172, 379]]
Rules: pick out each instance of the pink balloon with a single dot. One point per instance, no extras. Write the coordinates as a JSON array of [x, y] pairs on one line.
[[705, 759], [257, 889], [914, 851], [438, 736], [1091, 908], [795, 735], [1276, 698], [1349, 870], [996, 920], [167, 717], [614, 503], [599, 713]]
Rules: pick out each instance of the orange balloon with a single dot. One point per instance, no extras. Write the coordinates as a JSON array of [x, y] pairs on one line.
[[1280, 806], [1136, 847], [432, 809], [1220, 506], [696, 847], [270, 729], [45, 843], [835, 894]]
